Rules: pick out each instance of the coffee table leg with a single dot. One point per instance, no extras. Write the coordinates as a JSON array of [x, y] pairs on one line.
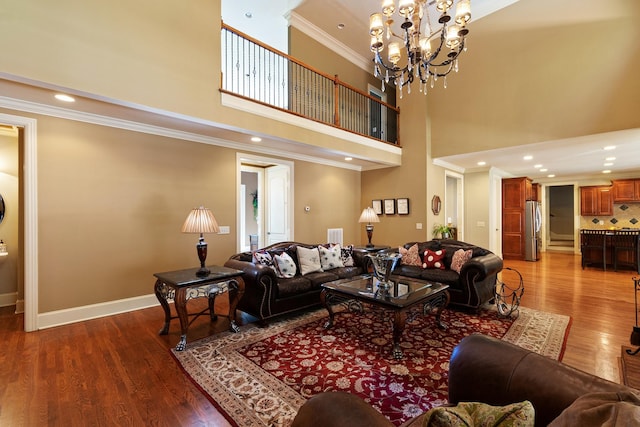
[[180, 302], [443, 303], [399, 321], [160, 291], [323, 299]]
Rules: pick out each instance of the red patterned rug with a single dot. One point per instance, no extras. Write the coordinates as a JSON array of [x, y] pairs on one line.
[[261, 376]]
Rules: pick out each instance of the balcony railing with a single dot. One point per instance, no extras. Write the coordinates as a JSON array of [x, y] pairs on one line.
[[260, 73]]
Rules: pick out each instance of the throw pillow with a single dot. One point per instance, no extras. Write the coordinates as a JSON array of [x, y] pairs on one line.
[[309, 260], [264, 258], [473, 414], [459, 258], [285, 267], [330, 257], [410, 256], [433, 259], [347, 256]]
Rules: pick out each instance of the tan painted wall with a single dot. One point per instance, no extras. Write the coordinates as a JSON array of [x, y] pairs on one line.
[[111, 203], [522, 86]]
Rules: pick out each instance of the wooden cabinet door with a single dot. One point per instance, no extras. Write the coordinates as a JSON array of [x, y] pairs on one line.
[[588, 201], [604, 201], [624, 190]]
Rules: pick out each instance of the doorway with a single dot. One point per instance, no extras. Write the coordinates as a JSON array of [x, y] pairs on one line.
[[560, 220], [454, 204], [265, 202]]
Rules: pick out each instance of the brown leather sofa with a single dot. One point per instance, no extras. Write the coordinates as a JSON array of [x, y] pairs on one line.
[[485, 369], [473, 286], [266, 295]]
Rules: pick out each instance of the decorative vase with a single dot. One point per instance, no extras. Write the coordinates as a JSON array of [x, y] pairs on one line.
[[383, 265]]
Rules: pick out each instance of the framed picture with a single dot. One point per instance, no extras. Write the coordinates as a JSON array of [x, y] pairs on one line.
[[377, 206], [389, 206], [403, 206]]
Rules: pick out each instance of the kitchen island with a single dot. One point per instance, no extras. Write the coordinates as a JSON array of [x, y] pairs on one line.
[[616, 248]]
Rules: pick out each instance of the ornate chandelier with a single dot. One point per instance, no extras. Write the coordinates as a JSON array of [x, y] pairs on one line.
[[422, 62]]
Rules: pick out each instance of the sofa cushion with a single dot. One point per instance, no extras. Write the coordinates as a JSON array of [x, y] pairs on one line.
[[601, 409], [346, 272], [434, 259], [330, 257], [459, 258], [285, 267], [474, 414], [308, 260], [319, 277], [408, 271], [410, 256], [293, 286], [448, 277]]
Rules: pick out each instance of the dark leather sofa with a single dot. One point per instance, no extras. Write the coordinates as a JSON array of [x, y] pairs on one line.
[[473, 286], [266, 295], [485, 369]]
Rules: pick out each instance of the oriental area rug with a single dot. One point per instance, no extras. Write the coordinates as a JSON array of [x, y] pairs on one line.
[[261, 376]]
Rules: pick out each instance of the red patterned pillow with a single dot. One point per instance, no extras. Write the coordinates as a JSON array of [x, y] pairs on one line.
[[433, 259], [410, 256], [459, 258]]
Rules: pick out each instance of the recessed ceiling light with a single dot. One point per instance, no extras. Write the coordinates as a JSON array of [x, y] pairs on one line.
[[256, 139], [551, 176], [544, 170], [528, 157], [537, 166], [482, 163], [348, 159], [608, 164], [610, 147], [248, 15], [606, 171], [341, 26], [64, 98], [610, 159]]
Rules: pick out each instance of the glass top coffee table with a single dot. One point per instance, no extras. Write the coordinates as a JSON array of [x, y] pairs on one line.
[[401, 298]]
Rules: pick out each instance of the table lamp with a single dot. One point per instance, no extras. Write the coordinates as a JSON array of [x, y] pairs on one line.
[[201, 220], [369, 215]]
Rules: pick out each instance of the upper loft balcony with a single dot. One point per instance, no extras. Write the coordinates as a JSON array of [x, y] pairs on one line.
[[262, 80]]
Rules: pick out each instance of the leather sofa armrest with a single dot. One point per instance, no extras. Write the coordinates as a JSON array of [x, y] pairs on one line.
[[485, 265], [489, 370], [338, 409], [253, 273]]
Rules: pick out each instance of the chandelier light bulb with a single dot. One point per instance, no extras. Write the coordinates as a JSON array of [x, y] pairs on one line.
[[406, 7], [388, 7], [453, 38], [444, 5], [394, 52], [463, 12], [376, 24]]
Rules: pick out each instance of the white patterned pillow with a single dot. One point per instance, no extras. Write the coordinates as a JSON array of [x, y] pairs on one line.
[[264, 258], [347, 256], [330, 257], [309, 260], [285, 267]]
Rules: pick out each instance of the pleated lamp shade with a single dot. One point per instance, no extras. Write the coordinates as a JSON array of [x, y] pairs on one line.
[[200, 220]]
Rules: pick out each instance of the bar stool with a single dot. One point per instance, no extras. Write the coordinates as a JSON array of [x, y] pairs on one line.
[[625, 241], [593, 240]]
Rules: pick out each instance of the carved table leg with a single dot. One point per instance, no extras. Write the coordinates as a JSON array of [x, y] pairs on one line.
[[323, 300], [212, 303], [441, 307], [399, 321], [159, 289], [180, 302], [236, 291]]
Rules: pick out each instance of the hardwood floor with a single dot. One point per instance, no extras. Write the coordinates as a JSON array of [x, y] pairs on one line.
[[118, 371]]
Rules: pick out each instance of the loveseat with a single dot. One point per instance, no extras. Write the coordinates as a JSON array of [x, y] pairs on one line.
[[268, 293], [472, 286], [492, 371]]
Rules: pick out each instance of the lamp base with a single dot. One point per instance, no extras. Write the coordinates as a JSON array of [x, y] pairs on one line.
[[203, 272]]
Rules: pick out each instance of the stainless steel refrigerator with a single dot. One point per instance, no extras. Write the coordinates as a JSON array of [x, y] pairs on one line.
[[532, 224]]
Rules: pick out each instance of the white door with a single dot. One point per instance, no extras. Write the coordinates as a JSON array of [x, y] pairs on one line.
[[277, 206]]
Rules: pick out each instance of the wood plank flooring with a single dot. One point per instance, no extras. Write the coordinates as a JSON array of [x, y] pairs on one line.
[[118, 371]]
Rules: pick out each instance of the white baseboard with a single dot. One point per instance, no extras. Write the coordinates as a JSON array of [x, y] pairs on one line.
[[8, 299], [94, 311]]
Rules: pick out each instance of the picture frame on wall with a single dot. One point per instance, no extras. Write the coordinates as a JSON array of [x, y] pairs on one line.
[[377, 206], [389, 206], [402, 206]]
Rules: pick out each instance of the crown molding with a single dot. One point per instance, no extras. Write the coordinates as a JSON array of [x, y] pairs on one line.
[[328, 41]]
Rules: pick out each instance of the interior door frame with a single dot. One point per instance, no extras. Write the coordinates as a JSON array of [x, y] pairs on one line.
[[253, 159]]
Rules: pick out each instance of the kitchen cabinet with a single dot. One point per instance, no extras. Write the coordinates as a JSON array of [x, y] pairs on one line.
[[596, 201], [626, 190], [515, 194]]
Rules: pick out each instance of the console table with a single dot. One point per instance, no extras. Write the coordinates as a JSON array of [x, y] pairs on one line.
[[183, 285]]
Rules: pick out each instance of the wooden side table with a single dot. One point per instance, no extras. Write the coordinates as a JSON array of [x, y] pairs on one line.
[[183, 285]]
